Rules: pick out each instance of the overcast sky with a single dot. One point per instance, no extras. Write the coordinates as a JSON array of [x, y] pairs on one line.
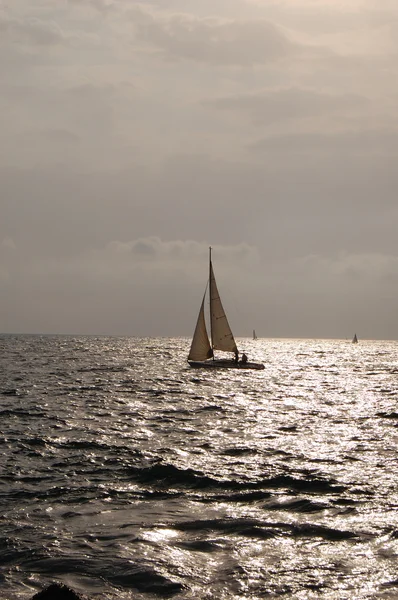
[[136, 134]]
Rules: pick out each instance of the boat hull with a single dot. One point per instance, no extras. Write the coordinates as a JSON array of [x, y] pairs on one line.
[[224, 364]]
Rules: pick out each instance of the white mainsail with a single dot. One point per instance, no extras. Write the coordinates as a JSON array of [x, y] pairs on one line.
[[221, 335], [200, 347]]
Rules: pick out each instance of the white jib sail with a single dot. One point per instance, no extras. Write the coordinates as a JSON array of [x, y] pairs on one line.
[[200, 347], [222, 336]]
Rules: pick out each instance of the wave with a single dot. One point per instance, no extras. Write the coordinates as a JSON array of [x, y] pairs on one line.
[[264, 529], [301, 505], [238, 451], [118, 572], [103, 369], [385, 415], [20, 412], [165, 475]]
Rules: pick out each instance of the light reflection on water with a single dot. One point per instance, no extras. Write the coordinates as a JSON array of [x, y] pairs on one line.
[[129, 474]]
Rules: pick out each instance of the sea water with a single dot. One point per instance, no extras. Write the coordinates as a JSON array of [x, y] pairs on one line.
[[126, 474]]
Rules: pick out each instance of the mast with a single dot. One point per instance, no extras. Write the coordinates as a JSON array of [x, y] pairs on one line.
[[210, 299]]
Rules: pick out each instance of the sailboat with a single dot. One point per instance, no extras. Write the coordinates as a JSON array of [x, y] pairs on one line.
[[201, 354], [355, 339], [254, 334]]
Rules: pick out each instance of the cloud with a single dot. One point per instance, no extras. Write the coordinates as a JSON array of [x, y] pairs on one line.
[[363, 142], [119, 260], [285, 202], [329, 16], [289, 103], [145, 286], [31, 31], [103, 6], [55, 137], [8, 243], [150, 286], [211, 40], [358, 271], [134, 134], [153, 250], [333, 295]]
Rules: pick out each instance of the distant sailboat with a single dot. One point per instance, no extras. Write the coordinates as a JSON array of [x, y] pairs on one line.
[[201, 354], [355, 339], [254, 334]]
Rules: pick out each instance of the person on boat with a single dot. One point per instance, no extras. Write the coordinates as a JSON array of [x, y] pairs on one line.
[[243, 360], [236, 357]]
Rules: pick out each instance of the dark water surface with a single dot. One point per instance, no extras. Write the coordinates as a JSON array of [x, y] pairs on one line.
[[126, 474]]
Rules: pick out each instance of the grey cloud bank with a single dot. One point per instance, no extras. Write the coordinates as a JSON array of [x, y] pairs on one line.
[[137, 134]]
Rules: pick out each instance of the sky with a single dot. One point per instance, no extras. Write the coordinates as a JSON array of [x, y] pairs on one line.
[[134, 135]]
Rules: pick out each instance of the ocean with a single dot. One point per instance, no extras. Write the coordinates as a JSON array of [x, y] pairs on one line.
[[126, 474]]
